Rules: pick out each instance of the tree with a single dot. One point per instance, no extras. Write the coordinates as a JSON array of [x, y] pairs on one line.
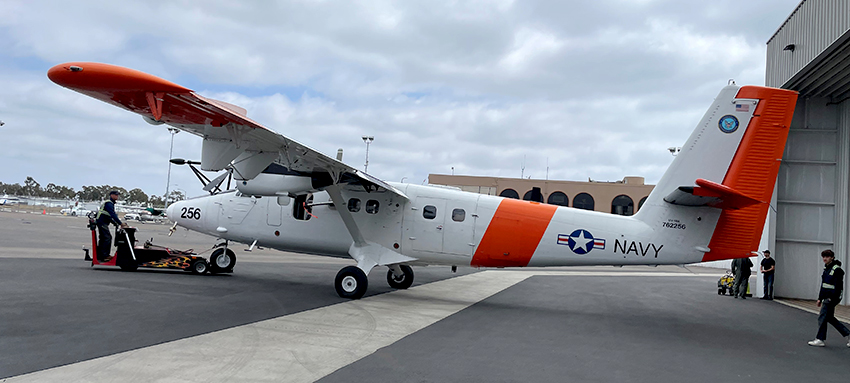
[[155, 201], [32, 188], [137, 195], [176, 195]]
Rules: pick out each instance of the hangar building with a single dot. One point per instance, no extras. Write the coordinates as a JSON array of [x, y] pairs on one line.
[[810, 53]]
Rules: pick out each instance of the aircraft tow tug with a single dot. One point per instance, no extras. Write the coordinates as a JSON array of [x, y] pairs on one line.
[[130, 257]]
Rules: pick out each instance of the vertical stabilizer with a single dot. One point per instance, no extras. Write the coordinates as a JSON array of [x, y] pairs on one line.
[[729, 164]]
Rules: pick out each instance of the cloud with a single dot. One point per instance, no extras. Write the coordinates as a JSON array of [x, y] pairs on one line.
[[596, 89]]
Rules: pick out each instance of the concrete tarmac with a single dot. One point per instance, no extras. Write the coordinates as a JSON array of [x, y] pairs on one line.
[[277, 318]]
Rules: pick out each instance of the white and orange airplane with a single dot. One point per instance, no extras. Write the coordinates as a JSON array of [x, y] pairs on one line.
[[711, 203]]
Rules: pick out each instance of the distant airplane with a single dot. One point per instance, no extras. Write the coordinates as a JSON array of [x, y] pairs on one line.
[[711, 203], [7, 200]]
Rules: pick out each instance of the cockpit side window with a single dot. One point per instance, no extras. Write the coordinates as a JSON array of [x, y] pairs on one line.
[[354, 205], [372, 206]]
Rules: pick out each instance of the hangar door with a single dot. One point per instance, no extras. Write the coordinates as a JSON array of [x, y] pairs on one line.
[[806, 196]]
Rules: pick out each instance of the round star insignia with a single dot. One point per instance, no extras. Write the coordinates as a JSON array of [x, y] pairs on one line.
[[581, 241]]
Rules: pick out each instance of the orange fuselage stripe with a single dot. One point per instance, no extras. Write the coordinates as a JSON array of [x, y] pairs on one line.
[[753, 173], [513, 234]]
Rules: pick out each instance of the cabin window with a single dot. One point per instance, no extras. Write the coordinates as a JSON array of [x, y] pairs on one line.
[[372, 206], [583, 201], [640, 204], [622, 205], [354, 205], [458, 215], [301, 209], [509, 193], [429, 212], [558, 198]]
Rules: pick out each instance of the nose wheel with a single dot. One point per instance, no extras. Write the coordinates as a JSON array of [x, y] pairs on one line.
[[351, 282], [222, 260]]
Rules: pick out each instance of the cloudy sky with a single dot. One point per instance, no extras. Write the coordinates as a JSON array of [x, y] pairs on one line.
[[598, 89]]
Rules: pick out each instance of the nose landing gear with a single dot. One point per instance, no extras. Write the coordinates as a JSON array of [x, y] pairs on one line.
[[222, 260]]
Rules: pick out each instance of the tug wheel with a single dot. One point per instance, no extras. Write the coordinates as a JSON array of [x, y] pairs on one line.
[[222, 261], [199, 266]]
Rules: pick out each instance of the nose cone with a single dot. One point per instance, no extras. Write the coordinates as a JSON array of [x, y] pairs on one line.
[[97, 77], [171, 212]]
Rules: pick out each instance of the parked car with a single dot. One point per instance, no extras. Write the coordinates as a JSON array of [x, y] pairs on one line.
[[75, 211], [132, 217]]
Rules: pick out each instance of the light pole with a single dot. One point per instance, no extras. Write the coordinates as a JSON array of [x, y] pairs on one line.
[[368, 140], [173, 131]]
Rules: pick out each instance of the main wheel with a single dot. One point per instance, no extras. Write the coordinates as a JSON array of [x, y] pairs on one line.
[[199, 266], [402, 282], [222, 261], [351, 282]]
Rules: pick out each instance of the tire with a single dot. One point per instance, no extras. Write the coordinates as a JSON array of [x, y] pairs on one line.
[[351, 283], [222, 261], [404, 282], [199, 266], [73, 214]]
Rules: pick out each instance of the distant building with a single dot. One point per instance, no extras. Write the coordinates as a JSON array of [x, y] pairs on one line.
[[619, 197]]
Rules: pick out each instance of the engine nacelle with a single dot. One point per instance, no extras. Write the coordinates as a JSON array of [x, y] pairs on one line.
[[276, 185]]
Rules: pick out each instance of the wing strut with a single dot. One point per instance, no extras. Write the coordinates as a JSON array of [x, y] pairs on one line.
[[367, 254]]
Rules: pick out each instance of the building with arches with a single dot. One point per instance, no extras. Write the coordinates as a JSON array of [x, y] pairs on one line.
[[622, 197]]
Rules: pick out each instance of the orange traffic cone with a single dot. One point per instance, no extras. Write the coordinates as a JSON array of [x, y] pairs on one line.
[[43, 211]]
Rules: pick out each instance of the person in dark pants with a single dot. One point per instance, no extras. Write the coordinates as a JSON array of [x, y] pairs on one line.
[[742, 268], [832, 284], [768, 266], [106, 216]]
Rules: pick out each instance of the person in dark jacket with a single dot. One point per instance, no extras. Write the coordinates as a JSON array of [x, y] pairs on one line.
[[768, 267], [106, 216], [742, 268], [832, 285]]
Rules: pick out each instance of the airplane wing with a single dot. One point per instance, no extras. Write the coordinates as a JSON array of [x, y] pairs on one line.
[[230, 137]]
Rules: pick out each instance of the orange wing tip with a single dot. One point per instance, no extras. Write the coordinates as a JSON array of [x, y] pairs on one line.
[[98, 77]]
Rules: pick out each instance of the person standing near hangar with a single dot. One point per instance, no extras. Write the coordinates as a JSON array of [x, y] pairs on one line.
[[742, 268], [105, 216], [832, 285], [768, 266]]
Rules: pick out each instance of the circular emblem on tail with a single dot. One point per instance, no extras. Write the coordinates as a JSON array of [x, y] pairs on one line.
[[728, 124]]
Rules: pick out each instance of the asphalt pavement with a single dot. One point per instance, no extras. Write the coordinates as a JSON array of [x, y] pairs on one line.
[[61, 320]]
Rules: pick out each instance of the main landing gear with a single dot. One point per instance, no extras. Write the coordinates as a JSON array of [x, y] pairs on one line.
[[351, 282]]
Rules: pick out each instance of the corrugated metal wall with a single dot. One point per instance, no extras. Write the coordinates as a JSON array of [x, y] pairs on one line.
[[806, 199], [813, 187], [812, 28]]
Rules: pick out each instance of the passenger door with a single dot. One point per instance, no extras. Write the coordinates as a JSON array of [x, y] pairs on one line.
[[459, 227], [428, 217]]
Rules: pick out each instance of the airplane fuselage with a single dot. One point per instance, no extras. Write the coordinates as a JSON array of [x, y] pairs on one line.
[[440, 225]]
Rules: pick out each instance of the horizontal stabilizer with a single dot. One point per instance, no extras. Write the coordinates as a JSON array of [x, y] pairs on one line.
[[713, 194]]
